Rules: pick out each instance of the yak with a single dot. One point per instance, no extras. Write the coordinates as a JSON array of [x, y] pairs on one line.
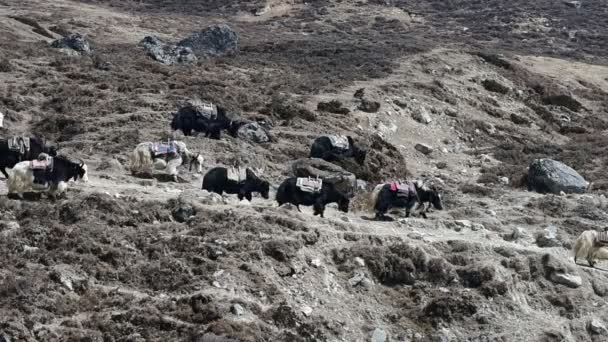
[[189, 120], [326, 148], [592, 246], [148, 156], [409, 195], [289, 192], [217, 180], [9, 157], [57, 173]]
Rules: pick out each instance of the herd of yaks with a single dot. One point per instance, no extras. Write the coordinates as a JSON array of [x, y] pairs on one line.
[[37, 167]]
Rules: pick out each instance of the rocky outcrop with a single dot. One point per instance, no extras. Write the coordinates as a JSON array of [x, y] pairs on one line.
[[75, 42], [214, 41], [315, 167], [253, 132], [550, 176], [166, 53]]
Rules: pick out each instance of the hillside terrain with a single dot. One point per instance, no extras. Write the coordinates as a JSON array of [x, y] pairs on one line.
[[488, 86]]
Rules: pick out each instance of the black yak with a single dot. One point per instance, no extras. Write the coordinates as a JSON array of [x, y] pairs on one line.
[[410, 195], [14, 150], [330, 148], [290, 192], [217, 180], [191, 119]]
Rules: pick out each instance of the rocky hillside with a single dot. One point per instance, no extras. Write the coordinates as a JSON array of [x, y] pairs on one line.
[[463, 93]]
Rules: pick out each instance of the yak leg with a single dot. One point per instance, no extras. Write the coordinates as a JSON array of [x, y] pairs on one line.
[[298, 207], [3, 170], [600, 253]]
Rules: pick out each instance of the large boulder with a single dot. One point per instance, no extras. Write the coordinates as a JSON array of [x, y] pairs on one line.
[[215, 40], [550, 176], [253, 132], [74, 41], [331, 173], [166, 53]]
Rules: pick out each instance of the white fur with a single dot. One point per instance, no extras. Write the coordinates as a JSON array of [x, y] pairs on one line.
[[142, 161], [21, 180], [585, 248], [374, 197]]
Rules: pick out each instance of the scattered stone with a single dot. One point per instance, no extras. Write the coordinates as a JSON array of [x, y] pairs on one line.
[[166, 53], [451, 112], [358, 279], [548, 237], [504, 180], [316, 262], [237, 310], [359, 261], [345, 218], [597, 327], [214, 41], [477, 227], [573, 4], [424, 148], [306, 310], [550, 176], [74, 42], [463, 223], [64, 275], [415, 236], [183, 213], [520, 120], [253, 132], [422, 116], [369, 106], [517, 234], [567, 279], [442, 165], [244, 201], [378, 335]]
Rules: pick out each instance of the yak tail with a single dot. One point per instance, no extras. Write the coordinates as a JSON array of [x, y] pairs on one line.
[[141, 160], [371, 205], [584, 245], [16, 182]]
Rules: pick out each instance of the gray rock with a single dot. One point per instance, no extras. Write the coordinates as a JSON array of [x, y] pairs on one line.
[[422, 116], [316, 262], [550, 176], [66, 276], [567, 279], [74, 42], [330, 173], [359, 261], [306, 310], [379, 335], [237, 310], [357, 279], [548, 237], [517, 234], [597, 327], [214, 41], [424, 148], [573, 4], [166, 53], [253, 132], [361, 184], [183, 212]]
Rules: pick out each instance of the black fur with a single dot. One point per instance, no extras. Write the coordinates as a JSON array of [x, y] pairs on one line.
[[323, 148], [288, 192], [388, 199], [190, 121], [216, 180], [63, 170], [9, 158]]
